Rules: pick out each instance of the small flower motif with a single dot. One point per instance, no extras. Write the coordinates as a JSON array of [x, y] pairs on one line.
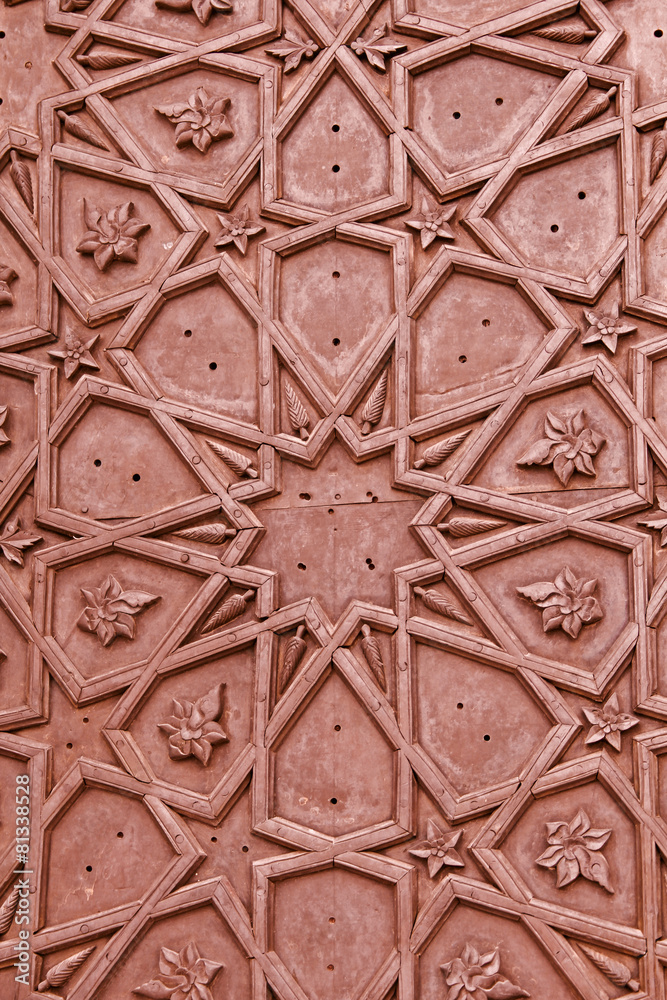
[[608, 722], [378, 48], [569, 445], [433, 222], [4, 413], [476, 977], [202, 8], [438, 849], [237, 229], [110, 610], [575, 850], [192, 728], [13, 541], [184, 975], [606, 327], [7, 275], [111, 235], [201, 121], [658, 523], [568, 602], [76, 354], [292, 50]]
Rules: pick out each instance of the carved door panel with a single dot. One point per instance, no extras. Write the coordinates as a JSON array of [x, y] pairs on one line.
[[333, 499]]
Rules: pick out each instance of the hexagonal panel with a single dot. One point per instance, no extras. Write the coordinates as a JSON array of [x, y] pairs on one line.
[[335, 298], [459, 725], [549, 222], [201, 348], [335, 154], [333, 930], [471, 329], [116, 463], [322, 763], [100, 868]]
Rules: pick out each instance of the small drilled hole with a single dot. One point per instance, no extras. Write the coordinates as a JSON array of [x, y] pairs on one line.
[[374, 499], [136, 477], [486, 322], [2, 34], [371, 565], [331, 510], [487, 738], [0, 100], [330, 968], [332, 920], [335, 128], [89, 868], [457, 115], [658, 32], [97, 462], [187, 333], [69, 745], [213, 365], [554, 229], [336, 341], [333, 801], [499, 101], [336, 496], [368, 562], [460, 705], [301, 566], [214, 840], [120, 834], [245, 848], [86, 719], [304, 496], [337, 729], [335, 168], [335, 274], [462, 358]]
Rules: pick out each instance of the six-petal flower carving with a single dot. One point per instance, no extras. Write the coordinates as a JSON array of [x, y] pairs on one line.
[[569, 445], [574, 849], [237, 229], [433, 222], [193, 729], [201, 121], [111, 235], [606, 327], [184, 975], [608, 722], [76, 354], [438, 849], [13, 541], [476, 977], [110, 610], [568, 602]]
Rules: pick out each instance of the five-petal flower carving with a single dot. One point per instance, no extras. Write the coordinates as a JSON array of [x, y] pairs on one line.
[[568, 602], [76, 354], [378, 47], [184, 975], [569, 445], [608, 722], [658, 522], [13, 541], [110, 610], [237, 229], [202, 8], [433, 222], [438, 849], [193, 729], [606, 327], [476, 977], [111, 235], [201, 121], [7, 275], [574, 849]]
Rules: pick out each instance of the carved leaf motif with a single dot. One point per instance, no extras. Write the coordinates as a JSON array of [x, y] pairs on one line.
[[294, 650], [229, 609], [373, 655], [4, 412], [372, 411], [78, 127], [571, 33], [63, 971], [107, 60], [237, 462], [592, 109], [658, 152], [19, 173], [437, 453], [212, 534], [7, 911], [298, 415], [436, 602], [461, 527], [292, 51], [13, 541], [618, 973]]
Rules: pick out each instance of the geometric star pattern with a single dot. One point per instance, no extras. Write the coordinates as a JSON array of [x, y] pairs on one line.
[[332, 586]]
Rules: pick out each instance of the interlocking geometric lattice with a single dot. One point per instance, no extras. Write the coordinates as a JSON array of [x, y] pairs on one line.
[[333, 499]]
